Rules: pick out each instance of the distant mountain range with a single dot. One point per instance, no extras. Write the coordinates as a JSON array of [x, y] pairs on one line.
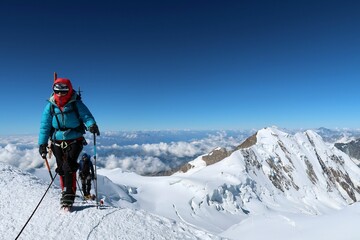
[[347, 141], [338, 135]]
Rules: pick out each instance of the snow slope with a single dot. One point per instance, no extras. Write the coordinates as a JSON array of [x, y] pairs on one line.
[[21, 192], [284, 186]]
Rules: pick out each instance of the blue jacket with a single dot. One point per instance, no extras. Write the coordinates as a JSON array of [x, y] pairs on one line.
[[68, 120], [86, 170]]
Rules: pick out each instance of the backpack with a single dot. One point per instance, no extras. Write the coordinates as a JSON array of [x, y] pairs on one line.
[[86, 167]]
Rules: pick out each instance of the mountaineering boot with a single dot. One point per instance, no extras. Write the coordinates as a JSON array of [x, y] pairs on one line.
[[66, 203], [68, 195], [67, 199], [89, 197]]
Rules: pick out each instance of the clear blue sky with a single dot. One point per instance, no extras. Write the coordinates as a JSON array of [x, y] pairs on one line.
[[146, 65]]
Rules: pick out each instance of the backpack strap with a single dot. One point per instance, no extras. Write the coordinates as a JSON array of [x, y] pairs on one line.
[[75, 109], [81, 128], [52, 111]]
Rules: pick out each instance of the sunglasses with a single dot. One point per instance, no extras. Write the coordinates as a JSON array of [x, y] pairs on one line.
[[60, 92]]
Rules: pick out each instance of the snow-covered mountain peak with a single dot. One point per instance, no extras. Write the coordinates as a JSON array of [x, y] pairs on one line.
[[271, 135], [268, 131], [301, 171]]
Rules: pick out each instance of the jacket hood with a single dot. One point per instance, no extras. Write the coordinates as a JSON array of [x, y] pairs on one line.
[[65, 81], [63, 99]]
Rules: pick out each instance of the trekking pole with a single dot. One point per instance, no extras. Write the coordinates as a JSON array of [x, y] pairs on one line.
[[96, 189], [82, 194], [52, 180]]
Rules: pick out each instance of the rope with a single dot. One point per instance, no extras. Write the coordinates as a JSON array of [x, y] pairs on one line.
[[36, 207]]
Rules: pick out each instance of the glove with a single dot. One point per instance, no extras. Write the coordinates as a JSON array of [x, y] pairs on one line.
[[43, 150], [92, 177], [94, 129]]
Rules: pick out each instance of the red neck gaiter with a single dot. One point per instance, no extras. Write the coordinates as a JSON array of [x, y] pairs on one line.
[[62, 100]]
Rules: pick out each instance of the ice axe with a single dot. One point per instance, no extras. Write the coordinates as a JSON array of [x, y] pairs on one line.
[[48, 167]]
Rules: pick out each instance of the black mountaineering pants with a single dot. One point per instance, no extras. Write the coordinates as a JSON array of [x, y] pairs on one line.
[[66, 159]]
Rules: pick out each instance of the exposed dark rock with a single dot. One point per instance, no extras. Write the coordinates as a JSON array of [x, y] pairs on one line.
[[278, 178], [215, 156], [310, 171], [186, 167], [351, 148], [247, 143], [251, 161]]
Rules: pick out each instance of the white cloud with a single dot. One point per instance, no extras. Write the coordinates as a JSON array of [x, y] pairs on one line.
[[141, 156], [23, 158], [141, 165]]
